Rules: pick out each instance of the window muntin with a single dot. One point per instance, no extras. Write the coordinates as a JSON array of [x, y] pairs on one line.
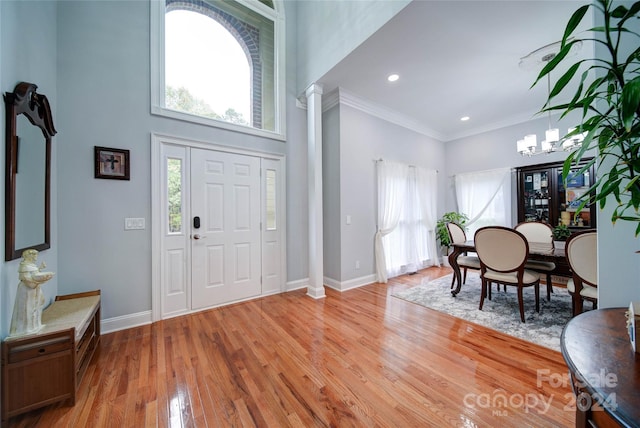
[[258, 28]]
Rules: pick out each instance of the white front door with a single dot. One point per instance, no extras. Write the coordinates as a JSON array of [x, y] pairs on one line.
[[236, 248], [226, 244]]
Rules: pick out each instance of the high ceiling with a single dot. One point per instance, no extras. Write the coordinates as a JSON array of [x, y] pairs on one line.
[[455, 59]]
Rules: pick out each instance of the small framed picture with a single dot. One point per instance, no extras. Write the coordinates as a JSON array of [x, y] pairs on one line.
[[111, 163]]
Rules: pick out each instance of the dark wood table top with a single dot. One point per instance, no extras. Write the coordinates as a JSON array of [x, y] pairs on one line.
[[541, 252], [534, 249], [596, 347]]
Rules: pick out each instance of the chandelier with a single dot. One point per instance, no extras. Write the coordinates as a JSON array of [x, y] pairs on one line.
[[528, 146]]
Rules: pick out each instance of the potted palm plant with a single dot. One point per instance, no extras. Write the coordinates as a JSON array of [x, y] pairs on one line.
[[608, 97]]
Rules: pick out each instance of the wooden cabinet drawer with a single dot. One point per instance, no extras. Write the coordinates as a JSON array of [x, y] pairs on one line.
[[41, 347]]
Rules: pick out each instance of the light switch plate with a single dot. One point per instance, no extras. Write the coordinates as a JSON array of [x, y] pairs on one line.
[[133, 223]]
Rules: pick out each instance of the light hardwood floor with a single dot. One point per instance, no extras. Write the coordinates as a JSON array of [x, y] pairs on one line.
[[357, 358]]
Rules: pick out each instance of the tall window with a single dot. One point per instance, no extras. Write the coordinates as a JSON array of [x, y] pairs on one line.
[[485, 197], [218, 62], [405, 241]]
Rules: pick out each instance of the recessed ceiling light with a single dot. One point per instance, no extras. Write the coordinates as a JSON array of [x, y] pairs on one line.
[[393, 77], [465, 118]]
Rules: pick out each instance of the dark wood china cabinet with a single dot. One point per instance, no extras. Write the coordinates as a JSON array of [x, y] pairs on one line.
[[542, 196]]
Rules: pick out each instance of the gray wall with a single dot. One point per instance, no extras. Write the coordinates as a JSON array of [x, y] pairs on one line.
[[92, 60], [363, 139], [104, 100], [332, 227], [332, 29], [618, 260], [497, 149], [28, 53]]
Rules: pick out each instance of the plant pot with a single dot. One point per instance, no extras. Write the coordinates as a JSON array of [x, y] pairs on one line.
[[444, 251], [559, 244]]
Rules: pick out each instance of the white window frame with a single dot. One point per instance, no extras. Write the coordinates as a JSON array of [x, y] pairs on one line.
[[157, 9]]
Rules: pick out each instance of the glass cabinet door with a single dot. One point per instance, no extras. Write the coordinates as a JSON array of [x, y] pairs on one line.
[[543, 196], [577, 185], [536, 196]]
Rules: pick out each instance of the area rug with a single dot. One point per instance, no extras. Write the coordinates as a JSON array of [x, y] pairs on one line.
[[501, 313]]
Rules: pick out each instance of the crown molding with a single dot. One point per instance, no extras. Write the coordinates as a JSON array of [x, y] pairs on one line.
[[385, 113], [344, 97], [504, 123]]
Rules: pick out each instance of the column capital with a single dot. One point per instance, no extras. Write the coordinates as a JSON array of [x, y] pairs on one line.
[[314, 88]]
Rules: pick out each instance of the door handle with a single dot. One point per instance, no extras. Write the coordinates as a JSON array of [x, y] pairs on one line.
[[198, 236]]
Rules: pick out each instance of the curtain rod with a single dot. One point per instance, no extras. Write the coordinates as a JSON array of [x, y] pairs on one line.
[[410, 166]]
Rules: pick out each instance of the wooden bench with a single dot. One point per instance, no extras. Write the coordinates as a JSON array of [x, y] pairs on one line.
[[48, 366]]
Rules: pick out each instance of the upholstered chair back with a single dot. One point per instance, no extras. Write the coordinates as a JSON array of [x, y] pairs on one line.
[[501, 249], [536, 231], [582, 254], [456, 233]]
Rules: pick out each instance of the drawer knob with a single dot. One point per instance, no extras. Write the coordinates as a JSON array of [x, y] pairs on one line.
[[42, 350]]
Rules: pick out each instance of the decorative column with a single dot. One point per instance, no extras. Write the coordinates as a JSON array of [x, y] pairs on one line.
[[314, 164]]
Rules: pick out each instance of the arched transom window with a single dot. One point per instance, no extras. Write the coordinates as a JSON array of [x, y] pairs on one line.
[[218, 63]]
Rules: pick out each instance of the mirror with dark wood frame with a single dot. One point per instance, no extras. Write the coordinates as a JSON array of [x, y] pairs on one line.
[[28, 170]]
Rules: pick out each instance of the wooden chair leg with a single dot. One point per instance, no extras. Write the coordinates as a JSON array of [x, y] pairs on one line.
[[483, 293], [578, 305], [537, 291], [464, 278], [521, 303], [549, 287]]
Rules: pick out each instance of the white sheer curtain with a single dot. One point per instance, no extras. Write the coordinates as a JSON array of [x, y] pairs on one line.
[[428, 193], [392, 188], [411, 244], [485, 197]]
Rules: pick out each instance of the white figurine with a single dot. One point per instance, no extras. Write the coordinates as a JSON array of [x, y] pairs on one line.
[[27, 310]]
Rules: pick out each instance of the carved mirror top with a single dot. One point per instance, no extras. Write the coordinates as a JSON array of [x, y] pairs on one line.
[[28, 170], [27, 101]]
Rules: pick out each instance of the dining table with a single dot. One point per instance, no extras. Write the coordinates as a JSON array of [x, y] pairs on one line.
[[537, 251]]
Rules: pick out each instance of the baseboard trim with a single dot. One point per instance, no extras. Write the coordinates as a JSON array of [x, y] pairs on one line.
[[110, 325], [349, 284], [114, 324], [297, 284]]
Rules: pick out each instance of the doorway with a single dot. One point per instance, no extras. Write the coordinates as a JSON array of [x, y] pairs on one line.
[[218, 226]]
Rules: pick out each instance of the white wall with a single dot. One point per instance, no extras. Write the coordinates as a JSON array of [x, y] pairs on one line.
[[28, 53], [331, 29]]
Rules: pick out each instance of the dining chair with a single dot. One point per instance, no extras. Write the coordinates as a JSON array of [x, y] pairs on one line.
[[539, 233], [503, 254], [581, 253], [457, 235]]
